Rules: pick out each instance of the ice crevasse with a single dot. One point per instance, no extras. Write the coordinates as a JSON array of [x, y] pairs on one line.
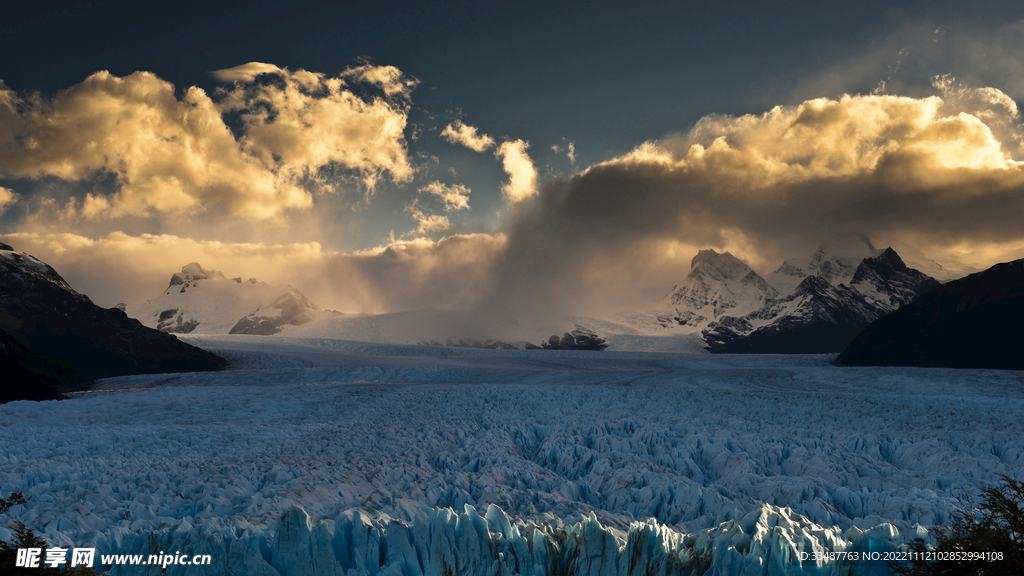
[[766, 541]]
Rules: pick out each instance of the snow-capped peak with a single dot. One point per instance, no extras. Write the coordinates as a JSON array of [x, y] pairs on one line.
[[24, 259], [717, 284], [18, 264], [204, 301], [192, 272], [718, 266], [834, 261]]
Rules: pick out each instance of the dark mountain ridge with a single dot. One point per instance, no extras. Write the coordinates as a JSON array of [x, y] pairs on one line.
[[973, 322], [65, 341]]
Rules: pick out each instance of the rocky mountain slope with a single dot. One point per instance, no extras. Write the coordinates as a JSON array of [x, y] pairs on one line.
[[206, 302], [58, 337], [28, 375], [968, 323]]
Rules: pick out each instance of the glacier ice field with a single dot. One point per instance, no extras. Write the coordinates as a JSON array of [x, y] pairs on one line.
[[327, 457]]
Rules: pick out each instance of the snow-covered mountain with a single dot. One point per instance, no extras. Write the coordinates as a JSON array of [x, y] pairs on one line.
[[832, 263], [206, 302], [718, 285], [837, 261], [815, 304], [822, 315]]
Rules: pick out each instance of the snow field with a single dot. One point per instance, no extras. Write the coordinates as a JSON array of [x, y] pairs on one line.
[[586, 444]]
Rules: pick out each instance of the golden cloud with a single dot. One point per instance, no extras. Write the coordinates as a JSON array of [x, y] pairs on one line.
[[904, 140], [522, 175], [7, 197], [172, 155], [459, 133], [309, 121], [455, 197]]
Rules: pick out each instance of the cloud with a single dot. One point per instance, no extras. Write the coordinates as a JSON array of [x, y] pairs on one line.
[[7, 197], [174, 155], [388, 78], [570, 151], [245, 72], [459, 133], [306, 121], [824, 138], [168, 154], [428, 223], [455, 197], [522, 175], [399, 275]]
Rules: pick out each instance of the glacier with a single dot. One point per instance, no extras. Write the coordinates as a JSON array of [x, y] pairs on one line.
[[316, 456]]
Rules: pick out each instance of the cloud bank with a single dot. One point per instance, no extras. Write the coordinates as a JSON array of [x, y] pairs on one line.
[[936, 172], [171, 154]]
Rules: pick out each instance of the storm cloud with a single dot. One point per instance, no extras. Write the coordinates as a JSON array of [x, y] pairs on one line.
[[937, 172]]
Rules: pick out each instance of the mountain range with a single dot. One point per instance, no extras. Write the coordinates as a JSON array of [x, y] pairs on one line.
[[824, 312], [815, 304], [58, 339], [203, 301]]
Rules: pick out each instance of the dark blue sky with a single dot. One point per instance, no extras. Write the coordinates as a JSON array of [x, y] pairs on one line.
[[606, 74]]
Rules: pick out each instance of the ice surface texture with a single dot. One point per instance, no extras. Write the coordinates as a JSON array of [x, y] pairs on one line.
[[355, 434]]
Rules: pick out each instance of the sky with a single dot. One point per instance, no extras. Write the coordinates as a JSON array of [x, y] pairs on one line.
[[526, 156]]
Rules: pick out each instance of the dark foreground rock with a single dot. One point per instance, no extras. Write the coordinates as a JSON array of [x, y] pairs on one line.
[[579, 339], [26, 374], [973, 322], [64, 341]]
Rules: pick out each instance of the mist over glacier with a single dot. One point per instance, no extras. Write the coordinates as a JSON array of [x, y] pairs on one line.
[[362, 443]]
